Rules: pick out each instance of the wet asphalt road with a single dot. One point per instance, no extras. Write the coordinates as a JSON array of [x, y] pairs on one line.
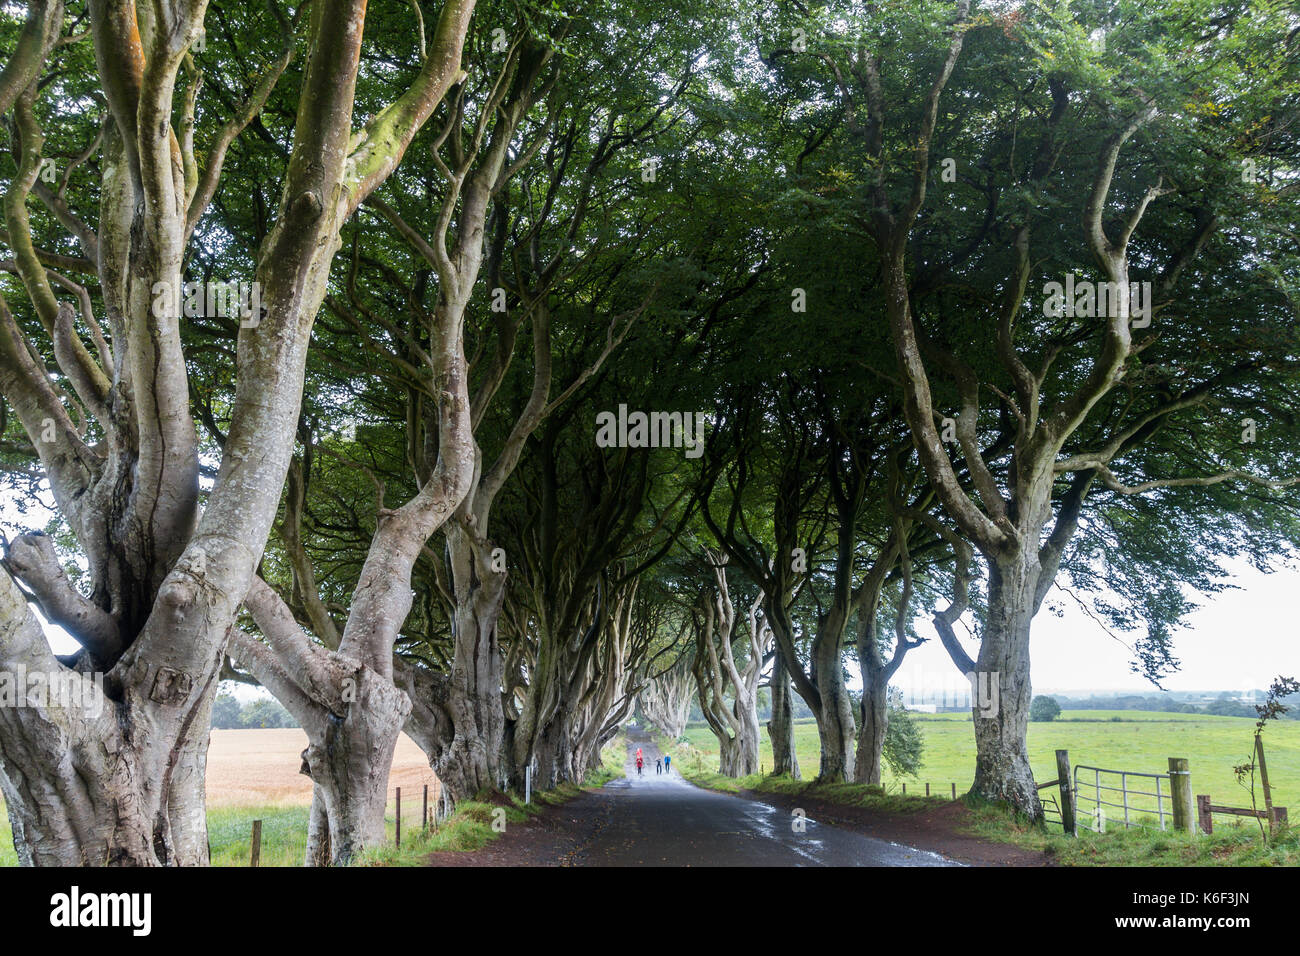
[[662, 820]]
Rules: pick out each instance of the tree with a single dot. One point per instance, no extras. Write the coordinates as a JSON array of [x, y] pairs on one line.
[[263, 713], [166, 575], [665, 701], [225, 712], [904, 746], [1076, 393], [1044, 708], [351, 673], [733, 721]]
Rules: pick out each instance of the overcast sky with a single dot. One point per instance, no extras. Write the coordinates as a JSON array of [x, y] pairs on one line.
[[1237, 639]]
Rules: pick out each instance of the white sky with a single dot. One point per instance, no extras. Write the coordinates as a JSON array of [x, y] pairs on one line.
[[1237, 639]]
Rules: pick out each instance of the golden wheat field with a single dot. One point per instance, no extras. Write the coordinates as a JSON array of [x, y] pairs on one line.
[[248, 768]]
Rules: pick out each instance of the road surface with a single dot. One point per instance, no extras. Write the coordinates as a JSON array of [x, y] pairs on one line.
[[662, 820]]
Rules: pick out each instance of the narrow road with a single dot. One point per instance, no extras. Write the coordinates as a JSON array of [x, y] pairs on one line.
[[659, 819]]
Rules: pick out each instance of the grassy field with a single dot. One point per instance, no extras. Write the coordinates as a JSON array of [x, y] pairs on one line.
[[1120, 740], [252, 775]]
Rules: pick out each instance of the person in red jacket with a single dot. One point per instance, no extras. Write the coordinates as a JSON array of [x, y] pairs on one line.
[[639, 761]]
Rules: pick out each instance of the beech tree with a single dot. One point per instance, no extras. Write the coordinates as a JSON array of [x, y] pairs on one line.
[[126, 786], [728, 688], [344, 689], [1105, 164], [665, 701]]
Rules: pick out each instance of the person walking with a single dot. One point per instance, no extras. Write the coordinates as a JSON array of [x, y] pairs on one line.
[[659, 764], [668, 763]]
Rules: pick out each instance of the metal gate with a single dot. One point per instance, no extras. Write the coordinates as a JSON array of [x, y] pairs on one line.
[[1096, 796]]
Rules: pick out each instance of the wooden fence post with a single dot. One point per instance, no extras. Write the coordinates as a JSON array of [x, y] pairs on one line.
[[1180, 787], [954, 791], [927, 789], [257, 844], [399, 818], [1263, 779], [424, 814], [1204, 818], [1068, 822]]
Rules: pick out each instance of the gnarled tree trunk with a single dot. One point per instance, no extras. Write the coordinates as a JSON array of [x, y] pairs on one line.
[[124, 785], [1002, 693], [471, 762], [781, 727], [734, 723]]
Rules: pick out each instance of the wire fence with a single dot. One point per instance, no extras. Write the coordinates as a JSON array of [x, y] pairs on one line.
[[278, 836]]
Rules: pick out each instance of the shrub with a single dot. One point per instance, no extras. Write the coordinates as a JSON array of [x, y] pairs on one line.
[[1044, 708]]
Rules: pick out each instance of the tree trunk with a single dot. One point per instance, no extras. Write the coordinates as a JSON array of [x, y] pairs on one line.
[[187, 799], [318, 831], [109, 782], [739, 753], [471, 761], [1001, 690], [835, 728], [873, 723], [551, 751], [781, 726], [349, 764]]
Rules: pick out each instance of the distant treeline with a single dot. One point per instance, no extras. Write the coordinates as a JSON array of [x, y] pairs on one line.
[[1225, 705], [229, 714]]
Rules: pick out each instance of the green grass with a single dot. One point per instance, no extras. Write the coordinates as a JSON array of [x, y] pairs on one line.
[[284, 835], [612, 758], [1230, 844], [471, 826], [7, 855], [1140, 741], [284, 829]]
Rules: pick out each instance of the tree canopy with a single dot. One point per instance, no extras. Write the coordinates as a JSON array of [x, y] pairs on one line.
[[493, 371]]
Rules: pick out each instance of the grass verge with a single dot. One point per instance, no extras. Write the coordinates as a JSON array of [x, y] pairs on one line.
[[1231, 845], [474, 824]]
